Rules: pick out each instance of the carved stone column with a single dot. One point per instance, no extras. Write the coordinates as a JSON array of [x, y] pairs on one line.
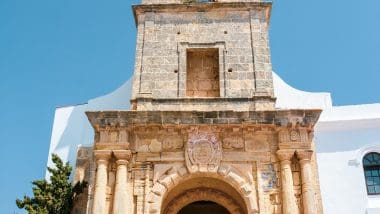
[[99, 204], [289, 205], [308, 194], [120, 201], [147, 188]]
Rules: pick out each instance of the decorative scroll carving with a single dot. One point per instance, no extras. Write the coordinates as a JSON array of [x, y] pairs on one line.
[[203, 152], [233, 142], [294, 136]]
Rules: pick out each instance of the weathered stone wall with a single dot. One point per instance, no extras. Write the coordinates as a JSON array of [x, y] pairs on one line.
[[163, 157], [239, 34], [146, 161]]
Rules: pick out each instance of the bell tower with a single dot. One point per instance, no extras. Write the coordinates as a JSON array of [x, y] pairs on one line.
[[203, 134], [193, 54]]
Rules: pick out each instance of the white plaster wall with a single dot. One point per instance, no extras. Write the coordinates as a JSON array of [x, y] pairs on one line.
[[340, 147], [72, 129]]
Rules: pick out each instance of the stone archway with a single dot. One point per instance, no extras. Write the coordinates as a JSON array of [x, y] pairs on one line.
[[177, 180], [203, 194]]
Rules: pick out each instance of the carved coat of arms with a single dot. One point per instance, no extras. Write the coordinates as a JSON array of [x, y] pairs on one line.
[[203, 152]]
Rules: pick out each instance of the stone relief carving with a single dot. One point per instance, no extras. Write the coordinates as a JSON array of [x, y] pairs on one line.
[[233, 142], [232, 139], [294, 135], [172, 143], [203, 152]]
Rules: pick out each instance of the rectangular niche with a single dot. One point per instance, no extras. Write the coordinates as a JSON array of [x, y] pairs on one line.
[[202, 72]]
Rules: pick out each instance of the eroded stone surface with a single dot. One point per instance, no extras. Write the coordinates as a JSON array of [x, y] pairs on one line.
[[203, 124]]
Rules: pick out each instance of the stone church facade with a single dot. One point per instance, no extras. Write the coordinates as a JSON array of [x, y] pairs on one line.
[[203, 130]]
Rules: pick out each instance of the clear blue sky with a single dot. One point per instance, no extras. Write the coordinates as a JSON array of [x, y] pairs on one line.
[[55, 53]]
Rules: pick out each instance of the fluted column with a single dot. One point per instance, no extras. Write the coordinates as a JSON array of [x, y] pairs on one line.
[[308, 194], [120, 201], [289, 205], [99, 203]]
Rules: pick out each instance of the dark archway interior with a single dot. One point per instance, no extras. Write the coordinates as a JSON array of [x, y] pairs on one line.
[[203, 207]]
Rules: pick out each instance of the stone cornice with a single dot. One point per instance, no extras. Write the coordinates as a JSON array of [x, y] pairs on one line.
[[123, 119], [203, 7], [205, 99]]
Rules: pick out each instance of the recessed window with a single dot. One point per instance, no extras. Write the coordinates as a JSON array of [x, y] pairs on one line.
[[371, 164], [202, 73]]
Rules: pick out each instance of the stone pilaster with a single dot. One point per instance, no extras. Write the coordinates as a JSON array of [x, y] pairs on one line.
[[147, 188], [120, 202], [99, 205], [289, 205], [308, 193]]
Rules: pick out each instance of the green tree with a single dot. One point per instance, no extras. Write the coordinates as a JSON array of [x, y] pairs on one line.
[[56, 196]]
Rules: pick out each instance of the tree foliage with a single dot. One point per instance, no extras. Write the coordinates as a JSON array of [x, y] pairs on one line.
[[56, 196]]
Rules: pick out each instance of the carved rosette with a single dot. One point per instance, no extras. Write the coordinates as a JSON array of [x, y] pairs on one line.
[[203, 153]]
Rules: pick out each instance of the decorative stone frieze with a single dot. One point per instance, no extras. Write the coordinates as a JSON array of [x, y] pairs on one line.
[[295, 138]]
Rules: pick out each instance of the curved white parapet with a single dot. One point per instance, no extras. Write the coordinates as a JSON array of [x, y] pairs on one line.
[[72, 129], [291, 98]]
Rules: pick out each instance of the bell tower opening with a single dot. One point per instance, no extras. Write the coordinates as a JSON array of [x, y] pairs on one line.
[[202, 72], [204, 207]]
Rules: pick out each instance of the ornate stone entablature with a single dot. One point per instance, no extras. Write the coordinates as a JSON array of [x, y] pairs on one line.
[[280, 118]]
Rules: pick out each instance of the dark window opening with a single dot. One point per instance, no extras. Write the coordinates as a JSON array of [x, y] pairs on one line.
[[371, 165]]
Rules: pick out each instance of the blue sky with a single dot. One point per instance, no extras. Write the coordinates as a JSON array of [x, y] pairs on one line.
[[55, 53]]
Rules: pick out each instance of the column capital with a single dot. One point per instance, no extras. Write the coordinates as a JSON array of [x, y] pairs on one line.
[[102, 155], [122, 154], [285, 155], [304, 154]]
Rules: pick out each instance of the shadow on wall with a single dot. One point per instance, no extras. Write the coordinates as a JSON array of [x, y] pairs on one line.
[[72, 129]]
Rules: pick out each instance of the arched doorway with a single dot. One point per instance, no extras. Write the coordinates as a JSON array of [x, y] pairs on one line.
[[208, 193], [203, 207]]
